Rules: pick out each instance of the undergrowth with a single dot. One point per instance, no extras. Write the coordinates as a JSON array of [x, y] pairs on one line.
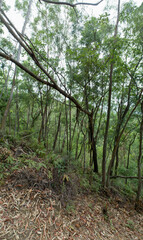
[[64, 169]]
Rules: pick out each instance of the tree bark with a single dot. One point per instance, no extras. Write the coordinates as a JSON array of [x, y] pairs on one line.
[[57, 132], [67, 128], [70, 137], [140, 158], [109, 105], [47, 129], [128, 158], [17, 113], [6, 82], [63, 143], [28, 116], [93, 144]]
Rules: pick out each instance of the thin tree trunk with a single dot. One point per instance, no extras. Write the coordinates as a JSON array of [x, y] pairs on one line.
[[106, 130], [35, 117], [128, 161], [17, 113], [67, 132], [140, 159], [109, 106], [80, 151], [70, 137], [77, 140], [99, 123], [8, 106], [73, 132], [6, 81], [46, 115], [59, 140], [129, 151], [57, 132], [84, 154], [63, 143], [9, 122], [1, 3], [42, 128], [47, 129], [93, 150], [28, 116], [117, 161]]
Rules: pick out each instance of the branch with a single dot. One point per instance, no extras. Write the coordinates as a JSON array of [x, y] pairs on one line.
[[72, 5], [10, 58], [46, 61], [131, 177], [53, 84]]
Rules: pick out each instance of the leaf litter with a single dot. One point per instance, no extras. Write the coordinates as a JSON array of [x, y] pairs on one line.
[[31, 209]]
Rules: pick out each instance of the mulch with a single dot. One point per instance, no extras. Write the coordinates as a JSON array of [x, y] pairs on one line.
[[32, 208]]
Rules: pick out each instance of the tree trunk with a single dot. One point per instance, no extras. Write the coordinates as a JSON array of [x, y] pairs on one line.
[[95, 157], [77, 140], [1, 3], [128, 159], [17, 113], [106, 130], [67, 132], [73, 132], [57, 132], [84, 154], [47, 129], [6, 82], [35, 117], [9, 122], [63, 143], [93, 151], [140, 158], [8, 106], [109, 105], [28, 116], [117, 161], [70, 137]]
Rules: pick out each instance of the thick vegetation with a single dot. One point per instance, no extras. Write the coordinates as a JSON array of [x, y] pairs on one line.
[[71, 94]]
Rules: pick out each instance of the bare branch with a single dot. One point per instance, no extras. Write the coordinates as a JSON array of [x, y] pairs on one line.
[[72, 5]]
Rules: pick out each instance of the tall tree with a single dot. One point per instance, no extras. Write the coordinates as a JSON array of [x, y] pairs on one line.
[[109, 97], [140, 157]]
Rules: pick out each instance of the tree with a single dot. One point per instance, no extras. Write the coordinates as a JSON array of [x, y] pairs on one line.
[[140, 157]]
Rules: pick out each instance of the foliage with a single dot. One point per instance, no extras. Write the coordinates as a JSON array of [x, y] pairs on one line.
[[130, 224], [74, 54]]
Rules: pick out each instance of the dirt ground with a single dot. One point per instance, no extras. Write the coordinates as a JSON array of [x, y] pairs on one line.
[[31, 213]]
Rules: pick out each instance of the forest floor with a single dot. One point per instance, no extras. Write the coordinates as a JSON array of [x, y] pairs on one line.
[[27, 212]]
